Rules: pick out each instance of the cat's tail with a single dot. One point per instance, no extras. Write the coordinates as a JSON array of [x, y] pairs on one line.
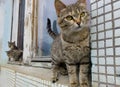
[[50, 31]]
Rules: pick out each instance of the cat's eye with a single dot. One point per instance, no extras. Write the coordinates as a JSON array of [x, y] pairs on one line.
[[82, 14], [69, 17]]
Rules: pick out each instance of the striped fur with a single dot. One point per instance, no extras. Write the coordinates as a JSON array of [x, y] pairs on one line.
[[51, 33], [71, 49]]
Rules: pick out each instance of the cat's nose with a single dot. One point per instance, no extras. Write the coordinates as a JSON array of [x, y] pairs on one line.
[[78, 23]]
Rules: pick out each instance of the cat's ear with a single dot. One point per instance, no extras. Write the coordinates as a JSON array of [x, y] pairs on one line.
[[82, 2], [59, 6]]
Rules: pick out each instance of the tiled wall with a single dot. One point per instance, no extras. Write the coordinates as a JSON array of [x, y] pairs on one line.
[[105, 42]]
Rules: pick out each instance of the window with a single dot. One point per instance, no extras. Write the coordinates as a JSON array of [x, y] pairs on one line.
[[42, 40], [21, 24], [17, 29]]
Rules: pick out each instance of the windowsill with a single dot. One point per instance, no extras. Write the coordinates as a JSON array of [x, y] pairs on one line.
[[41, 73]]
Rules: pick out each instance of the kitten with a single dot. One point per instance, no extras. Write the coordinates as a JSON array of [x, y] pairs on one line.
[[14, 52], [12, 45], [71, 47]]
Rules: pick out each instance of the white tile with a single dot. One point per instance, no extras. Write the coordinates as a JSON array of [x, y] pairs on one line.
[[94, 6], [94, 44], [116, 5], [117, 23], [103, 85], [109, 34], [100, 11], [101, 52], [117, 51], [94, 53], [108, 25], [95, 69], [102, 61], [111, 79], [117, 60], [110, 60], [93, 37], [101, 44], [95, 84], [117, 41], [117, 32], [100, 3], [109, 51], [107, 1], [117, 13], [117, 80], [94, 77], [92, 1], [94, 13], [109, 42], [101, 27], [102, 69], [108, 8], [108, 16], [110, 85], [93, 29], [101, 35], [118, 70], [102, 78], [110, 70], [94, 60], [100, 19], [93, 21]]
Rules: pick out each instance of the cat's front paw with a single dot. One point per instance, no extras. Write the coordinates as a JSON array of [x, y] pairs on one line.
[[74, 85], [54, 79]]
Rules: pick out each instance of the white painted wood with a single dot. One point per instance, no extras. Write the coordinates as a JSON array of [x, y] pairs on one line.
[[15, 20], [28, 30]]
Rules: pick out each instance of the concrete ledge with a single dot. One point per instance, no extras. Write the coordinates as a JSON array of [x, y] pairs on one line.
[[41, 73]]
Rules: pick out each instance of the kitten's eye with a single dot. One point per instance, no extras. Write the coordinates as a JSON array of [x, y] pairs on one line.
[[69, 18], [82, 14]]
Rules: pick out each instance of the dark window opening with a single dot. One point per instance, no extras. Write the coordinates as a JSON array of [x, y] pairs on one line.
[[20, 38]]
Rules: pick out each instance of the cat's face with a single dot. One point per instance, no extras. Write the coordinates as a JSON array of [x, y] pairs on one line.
[[11, 44], [73, 17]]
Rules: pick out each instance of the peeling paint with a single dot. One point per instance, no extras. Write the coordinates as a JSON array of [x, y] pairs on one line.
[[29, 28]]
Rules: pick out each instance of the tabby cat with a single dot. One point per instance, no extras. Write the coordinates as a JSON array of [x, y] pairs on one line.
[[71, 47], [14, 52]]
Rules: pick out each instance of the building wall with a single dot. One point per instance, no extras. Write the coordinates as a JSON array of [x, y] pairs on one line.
[[1, 24], [105, 42], [6, 10]]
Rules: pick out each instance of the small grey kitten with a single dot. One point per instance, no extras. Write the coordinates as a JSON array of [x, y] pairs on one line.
[[14, 53]]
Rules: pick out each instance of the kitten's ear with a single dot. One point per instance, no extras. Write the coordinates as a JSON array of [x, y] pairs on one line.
[[59, 6]]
